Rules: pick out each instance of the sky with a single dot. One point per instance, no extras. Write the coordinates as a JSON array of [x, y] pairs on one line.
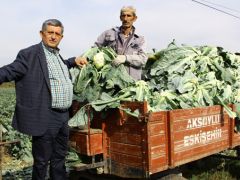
[[159, 21]]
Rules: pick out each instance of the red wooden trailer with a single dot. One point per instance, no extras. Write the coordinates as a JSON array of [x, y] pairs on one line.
[[131, 147]]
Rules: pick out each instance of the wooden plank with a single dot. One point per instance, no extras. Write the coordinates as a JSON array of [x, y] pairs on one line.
[[197, 132], [199, 139], [158, 164], [191, 155], [191, 113], [199, 122], [158, 140], [126, 138], [84, 145], [85, 131], [157, 128], [196, 153], [126, 148], [126, 128], [158, 151], [128, 160], [158, 116], [202, 147], [202, 135]]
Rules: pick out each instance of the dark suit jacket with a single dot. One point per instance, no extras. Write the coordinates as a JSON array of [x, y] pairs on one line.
[[33, 97]]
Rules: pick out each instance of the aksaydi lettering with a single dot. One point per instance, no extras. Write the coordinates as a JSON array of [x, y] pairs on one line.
[[203, 121]]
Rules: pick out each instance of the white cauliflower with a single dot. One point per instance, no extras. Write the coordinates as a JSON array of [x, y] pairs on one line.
[[98, 60]]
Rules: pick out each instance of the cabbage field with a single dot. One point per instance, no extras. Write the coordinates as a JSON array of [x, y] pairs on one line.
[[16, 157]]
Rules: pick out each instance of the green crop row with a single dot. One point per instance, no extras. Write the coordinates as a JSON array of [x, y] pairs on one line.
[[21, 150]]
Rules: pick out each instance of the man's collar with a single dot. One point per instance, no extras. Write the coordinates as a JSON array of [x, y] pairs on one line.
[[52, 50], [131, 32], [118, 29]]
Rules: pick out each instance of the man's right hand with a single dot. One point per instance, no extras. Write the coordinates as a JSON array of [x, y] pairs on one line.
[[120, 59], [81, 61]]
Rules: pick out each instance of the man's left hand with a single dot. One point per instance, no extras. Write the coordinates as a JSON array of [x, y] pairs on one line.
[[80, 61], [120, 59]]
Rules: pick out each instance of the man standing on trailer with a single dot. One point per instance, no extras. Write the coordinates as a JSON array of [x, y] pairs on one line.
[[43, 96], [129, 46]]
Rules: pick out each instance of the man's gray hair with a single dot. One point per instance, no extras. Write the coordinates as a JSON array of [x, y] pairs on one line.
[[129, 9], [52, 22]]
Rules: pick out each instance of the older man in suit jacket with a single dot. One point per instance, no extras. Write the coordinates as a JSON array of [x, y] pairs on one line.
[[43, 96]]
